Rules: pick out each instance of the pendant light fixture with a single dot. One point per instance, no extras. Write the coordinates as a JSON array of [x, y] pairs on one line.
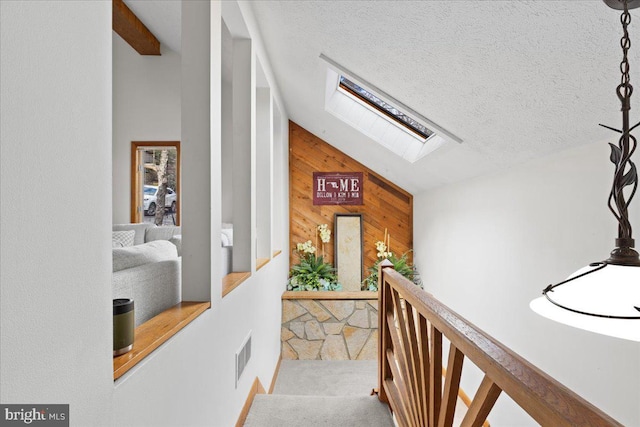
[[604, 297]]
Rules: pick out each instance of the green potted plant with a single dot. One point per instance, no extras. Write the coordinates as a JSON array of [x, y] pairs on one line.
[[400, 264], [312, 273]]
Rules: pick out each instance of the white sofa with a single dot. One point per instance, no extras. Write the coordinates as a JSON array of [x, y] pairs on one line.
[[149, 270]]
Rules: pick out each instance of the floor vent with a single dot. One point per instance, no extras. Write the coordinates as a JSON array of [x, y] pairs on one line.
[[242, 357]]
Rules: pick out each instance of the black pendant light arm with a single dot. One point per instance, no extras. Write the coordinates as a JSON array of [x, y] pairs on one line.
[[625, 170], [621, 154]]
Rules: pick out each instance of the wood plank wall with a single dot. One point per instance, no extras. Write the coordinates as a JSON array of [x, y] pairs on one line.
[[385, 204]]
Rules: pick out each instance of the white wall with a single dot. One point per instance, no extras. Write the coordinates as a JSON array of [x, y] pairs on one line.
[[146, 107], [226, 166], [227, 125], [191, 380], [200, 149], [280, 169], [55, 262], [263, 177], [56, 265], [486, 247], [244, 149]]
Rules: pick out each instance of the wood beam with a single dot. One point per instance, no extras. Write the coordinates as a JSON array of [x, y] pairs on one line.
[[127, 25]]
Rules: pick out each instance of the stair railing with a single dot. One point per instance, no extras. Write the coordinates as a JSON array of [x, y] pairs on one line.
[[412, 324]]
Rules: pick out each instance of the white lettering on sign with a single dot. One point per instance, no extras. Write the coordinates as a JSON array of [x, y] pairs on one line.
[[337, 188]]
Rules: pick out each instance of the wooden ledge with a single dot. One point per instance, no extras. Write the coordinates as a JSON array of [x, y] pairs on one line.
[[276, 253], [261, 262], [233, 280], [330, 295], [154, 332]]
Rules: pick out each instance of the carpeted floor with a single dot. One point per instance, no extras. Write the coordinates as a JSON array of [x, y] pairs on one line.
[[321, 393], [312, 411], [327, 377]]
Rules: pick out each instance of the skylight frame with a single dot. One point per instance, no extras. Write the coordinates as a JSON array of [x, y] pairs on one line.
[[375, 125], [382, 106]]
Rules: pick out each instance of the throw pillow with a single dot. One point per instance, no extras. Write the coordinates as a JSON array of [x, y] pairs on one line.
[[125, 238], [138, 228]]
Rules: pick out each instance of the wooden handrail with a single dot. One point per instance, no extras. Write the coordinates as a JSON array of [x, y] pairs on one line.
[[411, 326]]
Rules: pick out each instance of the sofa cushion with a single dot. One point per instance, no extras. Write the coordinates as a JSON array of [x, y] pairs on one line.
[[139, 228], [153, 287], [161, 233], [124, 238], [159, 250]]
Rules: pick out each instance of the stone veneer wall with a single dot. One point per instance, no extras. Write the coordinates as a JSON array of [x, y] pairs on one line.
[[329, 329]]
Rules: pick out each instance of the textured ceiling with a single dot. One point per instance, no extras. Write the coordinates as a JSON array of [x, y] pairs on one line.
[[514, 79]]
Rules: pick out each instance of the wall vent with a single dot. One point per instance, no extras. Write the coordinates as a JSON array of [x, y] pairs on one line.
[[242, 357]]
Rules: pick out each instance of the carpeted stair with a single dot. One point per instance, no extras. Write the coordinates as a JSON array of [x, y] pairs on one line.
[[321, 393]]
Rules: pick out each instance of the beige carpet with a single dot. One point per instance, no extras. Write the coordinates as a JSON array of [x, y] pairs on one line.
[[279, 410], [327, 377], [321, 393]]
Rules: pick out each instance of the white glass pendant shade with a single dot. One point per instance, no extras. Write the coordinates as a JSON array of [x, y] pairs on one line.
[[611, 291]]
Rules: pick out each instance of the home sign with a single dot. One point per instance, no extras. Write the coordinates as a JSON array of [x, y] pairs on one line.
[[337, 188]]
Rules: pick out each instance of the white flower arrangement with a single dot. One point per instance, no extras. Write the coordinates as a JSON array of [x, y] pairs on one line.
[[306, 247], [400, 264], [383, 246], [325, 233], [382, 250], [312, 273]]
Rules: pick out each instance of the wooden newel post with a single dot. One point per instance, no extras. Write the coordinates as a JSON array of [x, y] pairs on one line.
[[384, 339]]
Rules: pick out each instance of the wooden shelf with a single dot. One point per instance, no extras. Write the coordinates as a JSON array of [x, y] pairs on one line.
[[276, 253], [261, 262], [233, 280], [329, 295], [154, 332]]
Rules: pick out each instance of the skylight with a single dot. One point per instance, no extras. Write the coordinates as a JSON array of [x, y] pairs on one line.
[[384, 107], [379, 116]]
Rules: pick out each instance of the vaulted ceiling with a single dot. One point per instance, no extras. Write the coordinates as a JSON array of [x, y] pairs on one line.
[[514, 80]]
